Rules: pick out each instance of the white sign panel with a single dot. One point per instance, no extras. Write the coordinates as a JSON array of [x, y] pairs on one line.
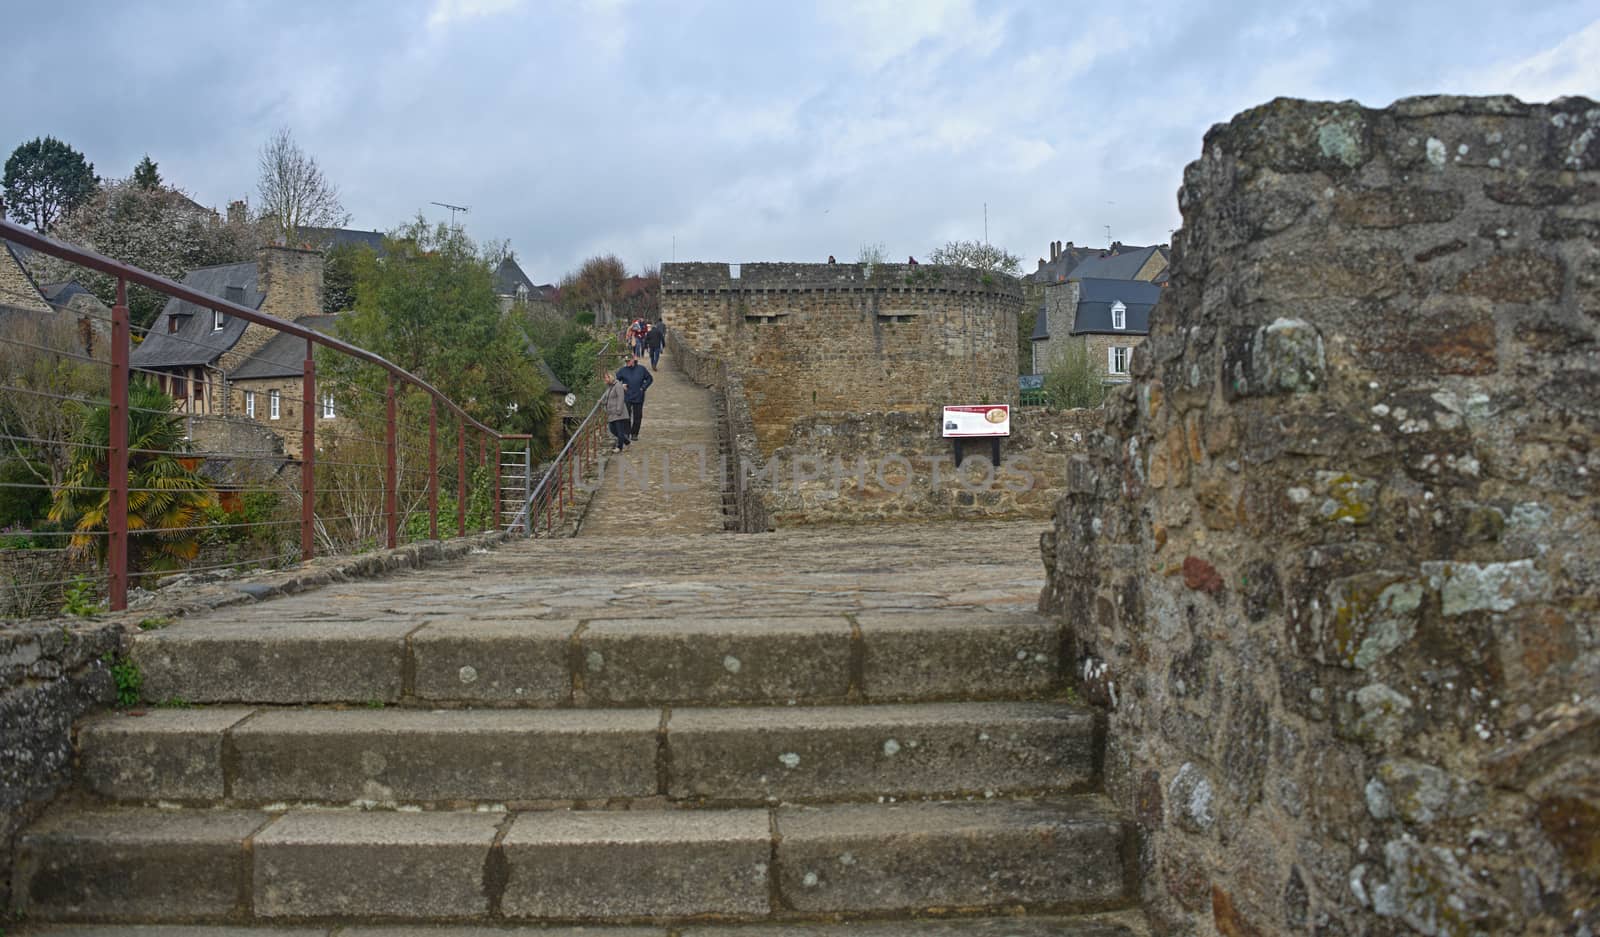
[[982, 420]]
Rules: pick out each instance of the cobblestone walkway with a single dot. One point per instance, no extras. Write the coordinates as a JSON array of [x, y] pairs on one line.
[[992, 565], [668, 482]]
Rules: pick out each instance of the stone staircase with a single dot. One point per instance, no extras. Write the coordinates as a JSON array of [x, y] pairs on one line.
[[871, 774]]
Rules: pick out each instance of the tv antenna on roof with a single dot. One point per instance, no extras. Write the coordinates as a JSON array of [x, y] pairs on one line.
[[453, 209]]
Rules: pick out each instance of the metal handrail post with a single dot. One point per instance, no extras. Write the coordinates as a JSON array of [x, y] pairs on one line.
[[433, 468], [117, 468], [390, 444], [461, 479], [308, 457]]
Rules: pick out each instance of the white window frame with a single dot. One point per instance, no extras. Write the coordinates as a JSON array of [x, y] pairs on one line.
[[218, 320], [1112, 356], [1119, 315], [327, 407], [250, 404], [273, 408]]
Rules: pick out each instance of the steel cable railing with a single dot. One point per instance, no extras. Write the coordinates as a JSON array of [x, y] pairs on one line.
[[226, 473]]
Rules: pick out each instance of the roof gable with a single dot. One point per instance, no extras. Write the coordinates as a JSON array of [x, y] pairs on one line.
[[1123, 265], [184, 334], [1097, 297]]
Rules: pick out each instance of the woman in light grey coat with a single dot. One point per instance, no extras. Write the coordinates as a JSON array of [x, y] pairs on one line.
[[616, 410]]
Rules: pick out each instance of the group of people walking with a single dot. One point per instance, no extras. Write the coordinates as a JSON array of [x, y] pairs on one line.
[[624, 396], [647, 338]]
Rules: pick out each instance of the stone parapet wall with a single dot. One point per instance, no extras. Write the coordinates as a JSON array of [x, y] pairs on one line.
[[811, 338], [871, 467], [51, 673], [736, 434], [1331, 563]]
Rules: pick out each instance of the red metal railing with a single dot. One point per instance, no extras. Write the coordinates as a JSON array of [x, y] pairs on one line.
[[340, 475]]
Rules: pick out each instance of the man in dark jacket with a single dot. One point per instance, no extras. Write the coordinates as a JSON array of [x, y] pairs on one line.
[[638, 380], [653, 340]]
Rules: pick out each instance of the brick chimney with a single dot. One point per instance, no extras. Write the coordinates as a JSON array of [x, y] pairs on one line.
[[238, 212], [290, 280]]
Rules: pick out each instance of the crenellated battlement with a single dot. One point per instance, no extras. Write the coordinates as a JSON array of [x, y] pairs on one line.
[[848, 338], [699, 277]]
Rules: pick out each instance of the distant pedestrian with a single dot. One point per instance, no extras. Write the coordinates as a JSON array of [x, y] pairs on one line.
[[638, 380], [831, 260], [616, 410], [636, 337], [911, 261], [653, 340]]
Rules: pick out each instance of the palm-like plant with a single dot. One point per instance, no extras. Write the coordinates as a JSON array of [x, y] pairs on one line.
[[167, 499]]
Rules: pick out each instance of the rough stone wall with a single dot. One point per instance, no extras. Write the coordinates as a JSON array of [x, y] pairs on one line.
[[869, 467], [50, 674], [1334, 561], [290, 280], [812, 338]]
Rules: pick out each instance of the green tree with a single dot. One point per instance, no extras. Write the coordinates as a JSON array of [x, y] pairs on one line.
[[430, 307], [340, 267], [46, 179], [978, 255], [1072, 381], [167, 498], [146, 175]]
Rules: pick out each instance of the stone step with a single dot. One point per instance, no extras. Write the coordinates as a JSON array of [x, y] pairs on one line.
[[235, 866], [1116, 924], [512, 661], [238, 756]]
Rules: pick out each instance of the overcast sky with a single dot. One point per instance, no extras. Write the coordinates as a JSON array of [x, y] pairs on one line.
[[745, 130]]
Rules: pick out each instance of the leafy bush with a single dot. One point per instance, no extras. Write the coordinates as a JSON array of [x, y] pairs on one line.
[[1072, 381]]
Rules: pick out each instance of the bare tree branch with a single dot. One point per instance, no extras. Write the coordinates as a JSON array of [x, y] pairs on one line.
[[294, 192]]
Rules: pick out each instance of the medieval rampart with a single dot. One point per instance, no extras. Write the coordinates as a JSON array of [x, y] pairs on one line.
[[848, 338], [1333, 564]]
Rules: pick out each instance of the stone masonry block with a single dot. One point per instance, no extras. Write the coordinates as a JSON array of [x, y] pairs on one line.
[[494, 661], [647, 660], [374, 865], [166, 754], [611, 864], [957, 655], [1077, 926], [864, 858], [866, 752], [139, 864], [267, 661], [410, 756]]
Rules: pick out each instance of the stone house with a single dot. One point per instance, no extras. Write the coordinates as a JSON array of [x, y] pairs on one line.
[[191, 351], [1071, 262], [1106, 316], [268, 388]]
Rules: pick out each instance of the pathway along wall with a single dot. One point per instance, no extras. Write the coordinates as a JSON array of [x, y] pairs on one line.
[[1334, 565], [847, 338]]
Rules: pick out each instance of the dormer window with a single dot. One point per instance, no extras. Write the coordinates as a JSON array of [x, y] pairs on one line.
[[1119, 315], [218, 320]]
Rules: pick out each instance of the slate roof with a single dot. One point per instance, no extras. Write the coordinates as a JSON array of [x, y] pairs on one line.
[[284, 355], [1041, 326], [195, 342], [1108, 266], [1053, 271], [1096, 297], [556, 387], [508, 276], [326, 238], [59, 294]]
